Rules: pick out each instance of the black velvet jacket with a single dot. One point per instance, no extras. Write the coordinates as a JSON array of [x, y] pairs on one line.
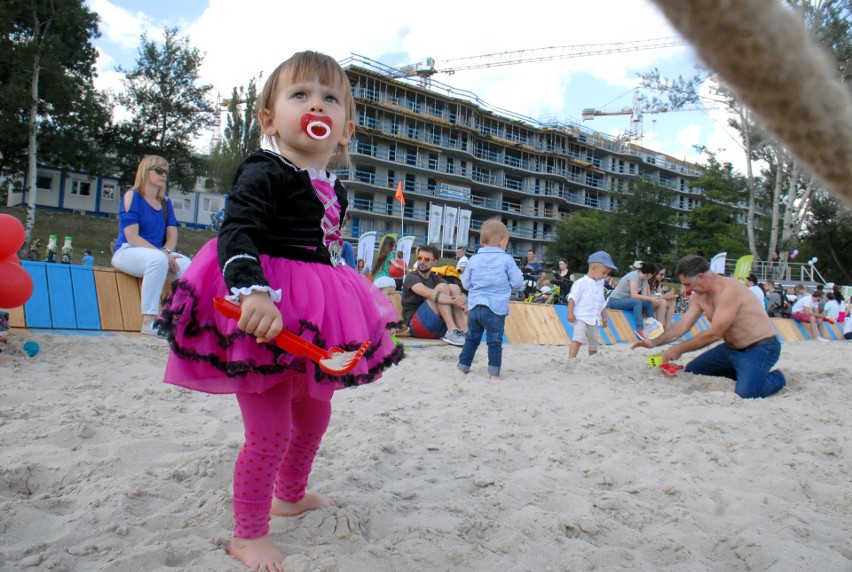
[[272, 209]]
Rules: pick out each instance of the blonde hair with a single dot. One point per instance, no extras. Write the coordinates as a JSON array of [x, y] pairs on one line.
[[492, 232], [306, 66], [147, 163]]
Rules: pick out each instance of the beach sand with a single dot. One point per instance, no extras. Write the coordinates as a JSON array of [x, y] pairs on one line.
[[598, 464]]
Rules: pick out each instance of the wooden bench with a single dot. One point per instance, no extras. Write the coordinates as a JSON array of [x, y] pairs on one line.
[[73, 297]]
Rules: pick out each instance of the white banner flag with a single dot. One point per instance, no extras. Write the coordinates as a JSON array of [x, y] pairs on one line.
[[436, 218], [367, 247], [450, 216], [717, 265], [405, 243], [464, 228]]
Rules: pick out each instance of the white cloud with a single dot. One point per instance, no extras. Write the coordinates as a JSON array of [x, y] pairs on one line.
[[120, 26], [242, 39]]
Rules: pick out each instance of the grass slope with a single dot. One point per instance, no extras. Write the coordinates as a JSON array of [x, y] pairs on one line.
[[94, 232]]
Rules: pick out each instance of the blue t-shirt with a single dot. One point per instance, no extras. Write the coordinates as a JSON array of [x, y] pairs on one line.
[[489, 277], [152, 227], [88, 260]]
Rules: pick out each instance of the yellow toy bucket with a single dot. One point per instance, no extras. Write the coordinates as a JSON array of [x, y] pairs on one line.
[[654, 361]]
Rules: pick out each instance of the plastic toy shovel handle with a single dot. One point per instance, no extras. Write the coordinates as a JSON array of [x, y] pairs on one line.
[[286, 340]]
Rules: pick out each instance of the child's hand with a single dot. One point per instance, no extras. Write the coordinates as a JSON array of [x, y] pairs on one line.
[[260, 317], [571, 318]]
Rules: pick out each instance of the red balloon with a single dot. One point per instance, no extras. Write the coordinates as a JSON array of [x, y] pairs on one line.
[[16, 285], [11, 235]]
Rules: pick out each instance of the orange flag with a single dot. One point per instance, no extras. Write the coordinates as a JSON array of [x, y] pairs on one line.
[[399, 196]]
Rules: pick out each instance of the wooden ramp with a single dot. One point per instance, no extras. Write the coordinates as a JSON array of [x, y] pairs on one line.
[[67, 296], [535, 324]]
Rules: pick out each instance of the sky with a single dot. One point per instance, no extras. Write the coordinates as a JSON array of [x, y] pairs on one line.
[[243, 38]]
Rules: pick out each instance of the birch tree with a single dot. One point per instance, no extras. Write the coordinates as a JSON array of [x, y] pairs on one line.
[[46, 85]]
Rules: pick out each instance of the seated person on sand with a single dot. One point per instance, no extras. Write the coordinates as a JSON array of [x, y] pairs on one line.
[[431, 307], [388, 287], [806, 311], [750, 346]]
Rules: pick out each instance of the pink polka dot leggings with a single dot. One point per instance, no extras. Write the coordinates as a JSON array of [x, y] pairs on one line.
[[284, 426]]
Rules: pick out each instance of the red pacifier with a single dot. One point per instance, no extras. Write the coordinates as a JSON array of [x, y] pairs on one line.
[[316, 126]]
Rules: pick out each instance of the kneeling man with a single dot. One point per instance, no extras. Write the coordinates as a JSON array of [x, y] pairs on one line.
[[750, 347]]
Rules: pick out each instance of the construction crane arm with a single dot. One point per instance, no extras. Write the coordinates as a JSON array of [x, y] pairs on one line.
[[426, 68], [555, 53]]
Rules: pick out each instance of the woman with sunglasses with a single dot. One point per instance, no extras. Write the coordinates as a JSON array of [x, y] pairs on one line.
[[147, 236]]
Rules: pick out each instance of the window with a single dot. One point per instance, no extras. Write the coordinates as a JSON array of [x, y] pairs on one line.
[[44, 183], [182, 204], [81, 188], [108, 191], [211, 205]]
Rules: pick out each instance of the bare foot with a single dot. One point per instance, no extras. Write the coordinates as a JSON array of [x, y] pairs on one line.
[[257, 554], [496, 378], [308, 502]]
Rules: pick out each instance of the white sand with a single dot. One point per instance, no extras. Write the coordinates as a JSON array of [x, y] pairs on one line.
[[600, 464]]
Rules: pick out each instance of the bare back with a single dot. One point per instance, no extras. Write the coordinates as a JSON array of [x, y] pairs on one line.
[[737, 310]]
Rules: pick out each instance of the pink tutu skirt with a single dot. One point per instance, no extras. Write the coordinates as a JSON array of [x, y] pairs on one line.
[[328, 306]]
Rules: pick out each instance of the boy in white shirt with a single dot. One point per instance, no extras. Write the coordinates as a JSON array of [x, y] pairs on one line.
[[806, 310], [587, 304]]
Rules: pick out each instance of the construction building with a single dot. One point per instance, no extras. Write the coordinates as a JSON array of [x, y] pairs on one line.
[[448, 147]]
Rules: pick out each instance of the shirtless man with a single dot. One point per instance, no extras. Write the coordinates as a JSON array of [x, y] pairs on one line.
[[750, 347]]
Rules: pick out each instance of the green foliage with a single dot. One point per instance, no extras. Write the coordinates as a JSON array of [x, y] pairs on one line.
[[829, 238], [168, 106], [643, 225], [72, 118], [713, 226], [578, 236], [641, 228], [242, 134]]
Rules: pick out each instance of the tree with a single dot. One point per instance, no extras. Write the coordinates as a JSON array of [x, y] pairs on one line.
[[830, 21], [46, 71], [578, 236], [643, 227], [242, 134], [713, 226], [828, 236], [169, 108]]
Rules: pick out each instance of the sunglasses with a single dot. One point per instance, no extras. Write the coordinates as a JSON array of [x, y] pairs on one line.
[[425, 258], [160, 171]]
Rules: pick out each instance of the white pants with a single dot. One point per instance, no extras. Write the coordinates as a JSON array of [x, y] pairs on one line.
[[153, 267]]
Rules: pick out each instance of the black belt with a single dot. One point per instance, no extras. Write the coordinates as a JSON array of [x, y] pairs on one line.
[[763, 342]]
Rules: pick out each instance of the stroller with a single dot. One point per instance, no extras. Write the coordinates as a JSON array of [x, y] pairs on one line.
[[545, 295]]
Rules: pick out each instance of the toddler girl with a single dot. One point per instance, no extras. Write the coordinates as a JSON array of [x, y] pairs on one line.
[[278, 255]]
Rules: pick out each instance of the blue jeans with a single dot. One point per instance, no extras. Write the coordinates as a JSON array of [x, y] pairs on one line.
[[634, 305], [480, 319], [750, 368]]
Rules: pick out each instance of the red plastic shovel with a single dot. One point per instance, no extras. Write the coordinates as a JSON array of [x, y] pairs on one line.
[[670, 368], [334, 360]]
